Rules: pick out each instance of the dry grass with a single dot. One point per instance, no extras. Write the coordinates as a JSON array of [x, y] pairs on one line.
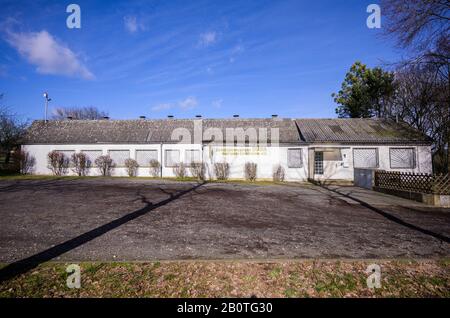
[[309, 278]]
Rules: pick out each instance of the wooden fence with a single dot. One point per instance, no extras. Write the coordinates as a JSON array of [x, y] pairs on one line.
[[413, 182]]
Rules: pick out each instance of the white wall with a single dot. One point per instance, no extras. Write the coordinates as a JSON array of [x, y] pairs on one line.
[[267, 159], [338, 170]]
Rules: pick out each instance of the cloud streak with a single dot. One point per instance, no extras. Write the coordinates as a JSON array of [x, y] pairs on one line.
[[47, 54], [132, 24], [207, 38]]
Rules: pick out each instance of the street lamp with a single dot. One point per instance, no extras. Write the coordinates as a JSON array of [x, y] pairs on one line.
[[47, 99]]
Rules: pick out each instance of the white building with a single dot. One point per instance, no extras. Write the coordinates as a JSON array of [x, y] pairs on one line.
[[320, 149]]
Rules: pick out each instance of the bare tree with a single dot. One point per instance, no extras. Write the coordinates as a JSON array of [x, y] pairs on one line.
[[155, 168], [132, 167], [278, 174], [180, 170], [250, 171], [422, 27], [78, 113], [12, 130], [24, 161], [105, 164], [222, 170], [198, 170], [81, 164], [58, 162]]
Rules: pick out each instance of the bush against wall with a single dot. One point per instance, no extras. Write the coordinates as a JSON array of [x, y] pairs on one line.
[[180, 170], [81, 164], [104, 164], [222, 170], [278, 174], [250, 171], [58, 163], [24, 161], [198, 170], [155, 168], [132, 167]]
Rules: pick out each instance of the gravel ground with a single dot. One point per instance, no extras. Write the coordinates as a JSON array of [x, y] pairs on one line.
[[118, 219]]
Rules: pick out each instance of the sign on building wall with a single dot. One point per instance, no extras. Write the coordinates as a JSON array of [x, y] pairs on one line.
[[243, 151]]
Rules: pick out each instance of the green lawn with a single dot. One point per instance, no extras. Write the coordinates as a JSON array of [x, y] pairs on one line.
[[309, 278]]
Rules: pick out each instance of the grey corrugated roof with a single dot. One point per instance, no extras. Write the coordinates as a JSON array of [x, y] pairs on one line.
[[144, 131], [358, 130], [104, 131], [156, 131], [287, 129]]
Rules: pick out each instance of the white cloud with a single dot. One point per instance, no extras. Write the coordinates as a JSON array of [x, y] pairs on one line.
[[217, 103], [132, 24], [164, 106], [188, 103], [208, 38], [49, 55]]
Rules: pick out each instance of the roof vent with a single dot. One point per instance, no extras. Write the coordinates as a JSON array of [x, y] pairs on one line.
[[198, 116], [170, 116], [274, 116], [106, 117], [236, 116], [142, 117], [69, 117]]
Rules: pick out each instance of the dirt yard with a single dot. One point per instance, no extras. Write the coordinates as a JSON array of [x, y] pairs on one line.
[[119, 219]]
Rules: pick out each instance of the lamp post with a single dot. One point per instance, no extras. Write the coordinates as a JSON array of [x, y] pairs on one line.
[[47, 99]]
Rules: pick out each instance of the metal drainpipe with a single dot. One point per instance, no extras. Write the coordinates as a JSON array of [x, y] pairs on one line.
[[161, 160]]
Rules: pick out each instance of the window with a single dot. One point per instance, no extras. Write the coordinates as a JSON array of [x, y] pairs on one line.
[[318, 162], [192, 156], [143, 157], [365, 157], [294, 159], [172, 158], [119, 157], [91, 155], [402, 158]]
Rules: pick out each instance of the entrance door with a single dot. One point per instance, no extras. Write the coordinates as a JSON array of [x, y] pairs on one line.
[[318, 162]]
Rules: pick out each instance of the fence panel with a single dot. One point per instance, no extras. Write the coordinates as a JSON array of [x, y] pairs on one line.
[[414, 182]]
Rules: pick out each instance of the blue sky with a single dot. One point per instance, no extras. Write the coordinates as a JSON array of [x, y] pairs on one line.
[[215, 58]]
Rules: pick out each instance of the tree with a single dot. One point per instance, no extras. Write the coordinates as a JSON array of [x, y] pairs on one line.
[[365, 92], [81, 163], [422, 27], [12, 130], [104, 164], [78, 113]]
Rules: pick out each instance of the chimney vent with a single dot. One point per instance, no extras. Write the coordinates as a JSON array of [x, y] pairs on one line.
[[69, 117], [142, 117], [170, 116], [236, 116], [274, 116], [106, 117], [198, 116]]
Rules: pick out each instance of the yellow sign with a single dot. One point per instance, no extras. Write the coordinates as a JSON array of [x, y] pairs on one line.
[[244, 151]]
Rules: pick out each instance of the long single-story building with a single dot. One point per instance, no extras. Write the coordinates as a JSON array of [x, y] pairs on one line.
[[319, 149]]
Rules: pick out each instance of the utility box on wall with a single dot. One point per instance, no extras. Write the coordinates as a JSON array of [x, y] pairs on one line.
[[364, 178]]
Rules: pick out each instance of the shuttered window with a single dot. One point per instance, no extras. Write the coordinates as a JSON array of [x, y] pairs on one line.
[[365, 158], [119, 157], [172, 158], [143, 157], [294, 158], [402, 158], [192, 156], [91, 155]]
